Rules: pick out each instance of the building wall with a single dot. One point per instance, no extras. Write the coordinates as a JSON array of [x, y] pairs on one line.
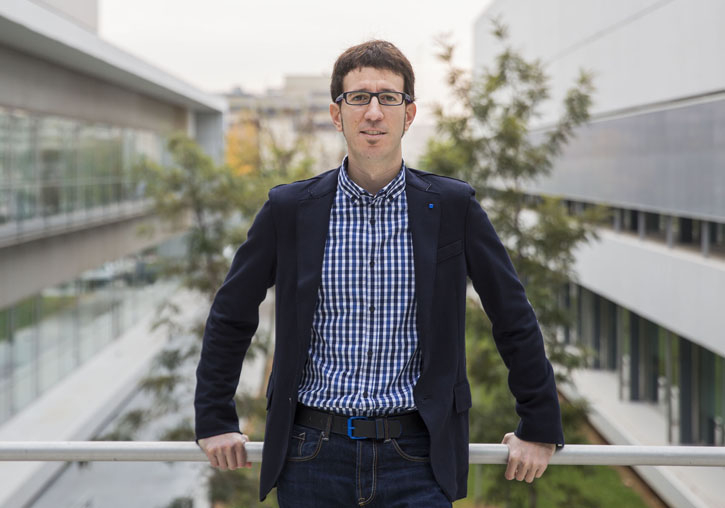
[[649, 290], [31, 266], [83, 12], [33, 84], [641, 52], [680, 290], [666, 161]]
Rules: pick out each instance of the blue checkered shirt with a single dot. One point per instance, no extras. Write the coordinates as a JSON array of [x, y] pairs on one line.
[[364, 357]]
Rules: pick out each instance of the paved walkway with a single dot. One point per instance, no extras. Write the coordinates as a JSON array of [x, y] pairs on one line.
[[640, 423]]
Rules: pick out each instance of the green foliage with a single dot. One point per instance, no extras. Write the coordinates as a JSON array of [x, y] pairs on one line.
[[194, 189], [570, 486], [184, 431], [214, 204], [487, 140], [181, 502]]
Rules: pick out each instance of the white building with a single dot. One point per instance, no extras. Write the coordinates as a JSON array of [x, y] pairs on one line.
[[78, 285], [650, 294]]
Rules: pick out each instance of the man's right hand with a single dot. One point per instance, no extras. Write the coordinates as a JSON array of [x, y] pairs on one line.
[[226, 451]]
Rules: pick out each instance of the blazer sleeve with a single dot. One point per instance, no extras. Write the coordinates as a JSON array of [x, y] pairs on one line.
[[232, 322], [516, 330]]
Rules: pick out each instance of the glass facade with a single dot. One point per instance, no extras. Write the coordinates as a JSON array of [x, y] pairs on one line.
[[656, 366], [59, 170], [46, 336]]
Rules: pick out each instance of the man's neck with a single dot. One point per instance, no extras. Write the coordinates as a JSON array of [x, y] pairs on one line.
[[372, 176]]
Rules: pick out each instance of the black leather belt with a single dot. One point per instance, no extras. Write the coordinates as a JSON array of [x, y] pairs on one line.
[[361, 427]]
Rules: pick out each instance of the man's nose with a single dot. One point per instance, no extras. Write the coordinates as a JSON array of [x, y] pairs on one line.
[[374, 110]]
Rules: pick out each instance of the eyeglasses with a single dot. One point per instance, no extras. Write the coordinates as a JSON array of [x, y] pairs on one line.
[[360, 98]]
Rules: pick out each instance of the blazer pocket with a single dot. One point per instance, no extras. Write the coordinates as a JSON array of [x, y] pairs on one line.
[[450, 250], [462, 396]]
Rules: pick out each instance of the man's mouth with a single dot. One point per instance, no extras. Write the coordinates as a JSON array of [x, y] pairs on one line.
[[372, 132]]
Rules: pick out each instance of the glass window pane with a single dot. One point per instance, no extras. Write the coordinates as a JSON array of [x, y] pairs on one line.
[[23, 174], [4, 169], [24, 352], [57, 305], [86, 163], [51, 163], [94, 309]]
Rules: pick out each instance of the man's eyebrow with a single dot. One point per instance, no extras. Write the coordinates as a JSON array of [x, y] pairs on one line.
[[365, 89]]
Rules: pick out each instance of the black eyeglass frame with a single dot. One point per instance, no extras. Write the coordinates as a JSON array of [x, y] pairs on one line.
[[406, 98]]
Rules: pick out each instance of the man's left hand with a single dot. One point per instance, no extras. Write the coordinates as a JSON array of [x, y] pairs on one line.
[[527, 459]]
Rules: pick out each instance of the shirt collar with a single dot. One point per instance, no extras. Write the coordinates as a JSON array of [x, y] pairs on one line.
[[356, 193]]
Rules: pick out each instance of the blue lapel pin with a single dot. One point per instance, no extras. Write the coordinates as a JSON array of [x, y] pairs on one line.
[[430, 205]]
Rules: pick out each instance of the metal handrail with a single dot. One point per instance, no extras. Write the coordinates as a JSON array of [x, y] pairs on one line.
[[176, 451]]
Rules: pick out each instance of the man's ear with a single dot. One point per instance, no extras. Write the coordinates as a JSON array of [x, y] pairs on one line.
[[336, 116], [410, 111]]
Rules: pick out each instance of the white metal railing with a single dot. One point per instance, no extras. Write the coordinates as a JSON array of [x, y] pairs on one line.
[[176, 451]]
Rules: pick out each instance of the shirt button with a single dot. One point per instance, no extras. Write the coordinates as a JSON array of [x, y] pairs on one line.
[[370, 353], [372, 308], [372, 222], [365, 393], [372, 263]]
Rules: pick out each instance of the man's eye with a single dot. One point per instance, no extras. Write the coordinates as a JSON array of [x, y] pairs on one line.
[[357, 97], [389, 98]]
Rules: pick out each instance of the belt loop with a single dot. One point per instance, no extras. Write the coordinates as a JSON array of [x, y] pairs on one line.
[[387, 431], [328, 426]]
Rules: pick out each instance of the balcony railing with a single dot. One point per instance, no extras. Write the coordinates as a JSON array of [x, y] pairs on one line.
[[176, 451]]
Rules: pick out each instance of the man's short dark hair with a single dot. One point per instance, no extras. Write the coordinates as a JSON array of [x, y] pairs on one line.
[[381, 55]]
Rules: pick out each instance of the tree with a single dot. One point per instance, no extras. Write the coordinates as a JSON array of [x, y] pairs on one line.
[[215, 203], [487, 140]]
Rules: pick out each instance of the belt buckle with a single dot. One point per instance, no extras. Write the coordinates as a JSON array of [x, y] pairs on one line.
[[350, 427]]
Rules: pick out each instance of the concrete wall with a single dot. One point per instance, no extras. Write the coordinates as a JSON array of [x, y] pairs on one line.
[[641, 51], [679, 290], [39, 86], [31, 266], [83, 12], [209, 133]]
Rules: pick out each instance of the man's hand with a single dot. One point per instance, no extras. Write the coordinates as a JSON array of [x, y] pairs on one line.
[[226, 451], [527, 459]]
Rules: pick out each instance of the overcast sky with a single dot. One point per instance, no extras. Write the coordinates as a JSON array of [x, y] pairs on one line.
[[217, 44]]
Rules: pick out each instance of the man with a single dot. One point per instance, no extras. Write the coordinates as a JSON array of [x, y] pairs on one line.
[[368, 398]]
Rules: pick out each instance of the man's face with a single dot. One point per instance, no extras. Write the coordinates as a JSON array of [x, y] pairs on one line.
[[373, 132]]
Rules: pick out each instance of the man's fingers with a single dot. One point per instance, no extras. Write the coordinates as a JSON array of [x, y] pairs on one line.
[[221, 460], [522, 471], [240, 455], [231, 457], [226, 451], [513, 465], [213, 462]]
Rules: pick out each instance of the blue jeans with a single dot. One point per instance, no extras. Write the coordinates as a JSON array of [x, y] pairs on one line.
[[338, 472]]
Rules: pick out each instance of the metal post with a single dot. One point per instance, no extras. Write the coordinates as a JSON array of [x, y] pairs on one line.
[[618, 220], [705, 237], [719, 431], [670, 231], [668, 381]]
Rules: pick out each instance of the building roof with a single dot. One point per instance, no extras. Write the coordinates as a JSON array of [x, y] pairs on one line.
[[33, 29]]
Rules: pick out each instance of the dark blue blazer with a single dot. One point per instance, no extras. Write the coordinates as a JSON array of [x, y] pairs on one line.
[[452, 240]]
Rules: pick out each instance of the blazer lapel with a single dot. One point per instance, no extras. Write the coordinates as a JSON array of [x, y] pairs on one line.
[[313, 220], [424, 221]]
